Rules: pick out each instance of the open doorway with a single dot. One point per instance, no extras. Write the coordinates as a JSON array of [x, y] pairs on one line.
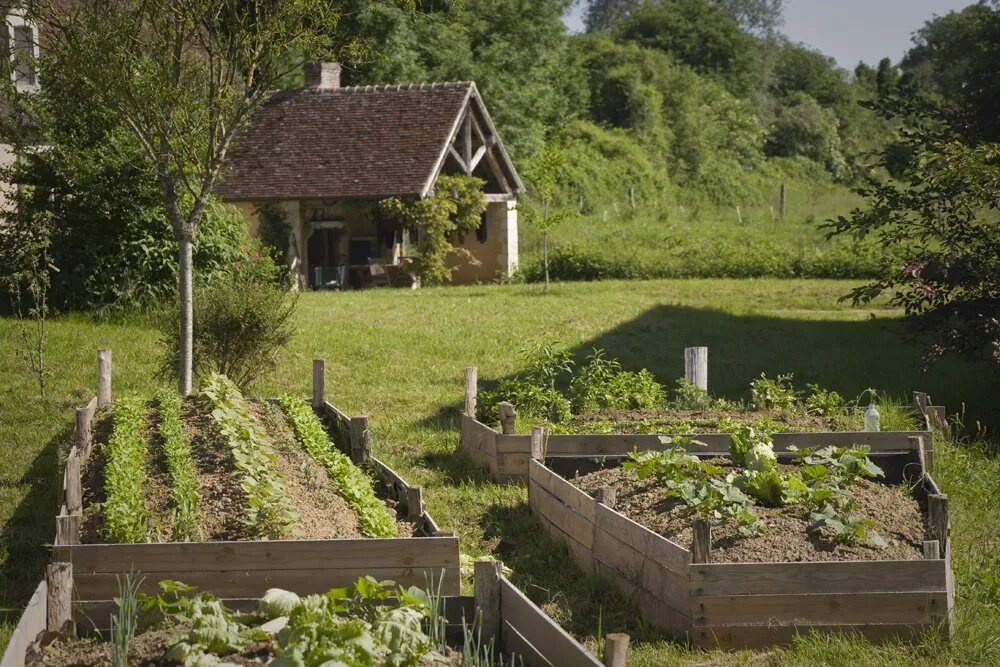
[[324, 259]]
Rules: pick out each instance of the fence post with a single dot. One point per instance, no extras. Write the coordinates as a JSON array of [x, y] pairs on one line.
[[103, 378], [414, 503], [701, 548], [615, 649], [319, 383], [59, 599], [932, 550], [538, 443], [74, 493], [937, 518], [508, 417], [361, 440], [696, 366], [739, 214], [607, 496], [81, 435], [486, 592], [781, 207], [471, 389]]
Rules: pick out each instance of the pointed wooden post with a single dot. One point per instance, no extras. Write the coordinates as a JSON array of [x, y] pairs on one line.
[[701, 548], [538, 443], [471, 389], [319, 383], [414, 503], [696, 366], [103, 378], [486, 591], [508, 418]]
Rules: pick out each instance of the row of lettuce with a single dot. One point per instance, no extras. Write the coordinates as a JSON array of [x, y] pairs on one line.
[[267, 510]]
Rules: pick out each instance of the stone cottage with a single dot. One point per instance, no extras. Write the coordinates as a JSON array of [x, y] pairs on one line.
[[320, 157]]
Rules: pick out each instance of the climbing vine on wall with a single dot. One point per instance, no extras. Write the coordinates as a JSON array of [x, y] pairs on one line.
[[457, 205]]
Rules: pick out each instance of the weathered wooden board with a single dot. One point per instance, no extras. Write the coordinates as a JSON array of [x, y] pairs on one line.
[[656, 547], [182, 557], [578, 500], [515, 649], [819, 608], [611, 444], [829, 577], [32, 622], [581, 555], [574, 524], [734, 637], [536, 628]]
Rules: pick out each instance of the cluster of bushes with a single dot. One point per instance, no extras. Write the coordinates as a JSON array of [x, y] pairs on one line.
[[599, 384]]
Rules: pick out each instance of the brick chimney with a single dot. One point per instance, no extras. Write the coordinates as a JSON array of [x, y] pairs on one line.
[[322, 76]]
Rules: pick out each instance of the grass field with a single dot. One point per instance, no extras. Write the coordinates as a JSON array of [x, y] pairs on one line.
[[399, 356], [711, 241]]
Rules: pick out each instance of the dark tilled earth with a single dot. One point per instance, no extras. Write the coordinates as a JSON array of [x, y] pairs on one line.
[[897, 516], [630, 422]]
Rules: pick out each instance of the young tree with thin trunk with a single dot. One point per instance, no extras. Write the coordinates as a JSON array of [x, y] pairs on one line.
[[543, 173], [185, 76]]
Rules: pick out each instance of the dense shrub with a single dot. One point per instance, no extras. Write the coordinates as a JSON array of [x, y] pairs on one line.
[[242, 320], [601, 384]]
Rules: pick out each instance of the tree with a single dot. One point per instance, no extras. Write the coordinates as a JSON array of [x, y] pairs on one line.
[[185, 78], [758, 17], [940, 216], [544, 172], [603, 14]]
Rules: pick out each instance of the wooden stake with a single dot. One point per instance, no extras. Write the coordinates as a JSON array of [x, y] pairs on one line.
[[696, 366], [486, 591], [361, 440], [414, 503], [607, 496], [59, 602], [103, 378], [67, 529], [81, 435], [508, 417], [781, 204], [701, 547], [74, 494], [615, 649], [920, 403], [631, 197], [471, 389], [937, 519], [319, 383], [739, 215], [931, 549], [937, 416], [538, 443]]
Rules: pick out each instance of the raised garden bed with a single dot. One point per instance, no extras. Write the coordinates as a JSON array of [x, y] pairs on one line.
[[716, 592], [505, 453], [234, 554], [521, 633]]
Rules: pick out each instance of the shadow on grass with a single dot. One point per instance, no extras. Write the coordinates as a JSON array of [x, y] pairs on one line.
[[543, 569], [31, 528], [843, 355]]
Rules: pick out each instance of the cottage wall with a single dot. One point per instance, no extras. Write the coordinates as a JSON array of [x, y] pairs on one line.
[[497, 256]]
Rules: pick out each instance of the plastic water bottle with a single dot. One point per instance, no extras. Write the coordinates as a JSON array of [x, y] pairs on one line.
[[871, 419]]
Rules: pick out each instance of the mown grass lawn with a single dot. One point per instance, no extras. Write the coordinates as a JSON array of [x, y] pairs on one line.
[[399, 356]]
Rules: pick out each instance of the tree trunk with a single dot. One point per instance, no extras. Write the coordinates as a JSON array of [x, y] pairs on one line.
[[185, 294], [545, 258]]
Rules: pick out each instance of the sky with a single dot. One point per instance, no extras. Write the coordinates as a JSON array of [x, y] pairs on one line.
[[851, 30]]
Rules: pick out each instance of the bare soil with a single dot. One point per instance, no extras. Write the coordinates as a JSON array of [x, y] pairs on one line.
[[323, 514], [898, 519]]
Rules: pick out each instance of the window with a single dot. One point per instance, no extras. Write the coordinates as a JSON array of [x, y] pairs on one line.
[[482, 232], [20, 42]]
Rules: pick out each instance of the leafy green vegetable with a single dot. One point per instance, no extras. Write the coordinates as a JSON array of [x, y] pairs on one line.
[[277, 602], [752, 449], [268, 511], [350, 481], [125, 516], [183, 476]]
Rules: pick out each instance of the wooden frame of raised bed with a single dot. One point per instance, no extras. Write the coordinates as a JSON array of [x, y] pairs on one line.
[[506, 454], [753, 605], [516, 623], [231, 569]]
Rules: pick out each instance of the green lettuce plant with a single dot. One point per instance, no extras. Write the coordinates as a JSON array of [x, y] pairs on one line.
[[125, 515]]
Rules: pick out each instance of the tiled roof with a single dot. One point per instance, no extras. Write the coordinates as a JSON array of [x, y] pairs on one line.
[[362, 141]]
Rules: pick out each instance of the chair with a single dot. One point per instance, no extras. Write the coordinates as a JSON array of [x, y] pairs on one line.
[[379, 276]]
